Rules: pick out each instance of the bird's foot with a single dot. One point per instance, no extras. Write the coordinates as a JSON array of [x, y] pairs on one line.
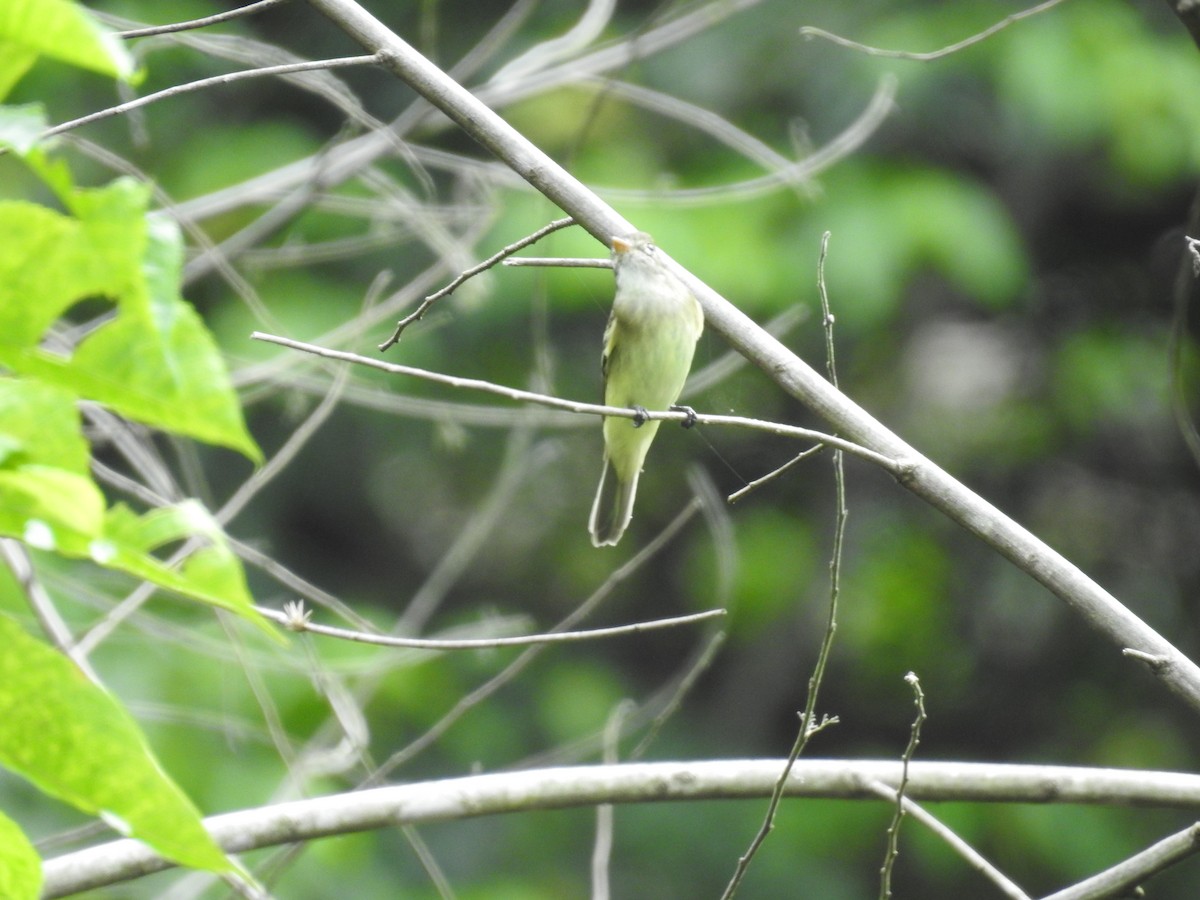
[[640, 415], [691, 415]]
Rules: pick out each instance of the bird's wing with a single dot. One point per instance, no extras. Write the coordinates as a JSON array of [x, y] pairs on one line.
[[609, 334]]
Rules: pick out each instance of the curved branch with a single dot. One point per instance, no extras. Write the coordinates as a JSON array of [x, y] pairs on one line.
[[563, 787]]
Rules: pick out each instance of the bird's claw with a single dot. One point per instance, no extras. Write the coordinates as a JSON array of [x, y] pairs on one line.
[[691, 415], [640, 415]]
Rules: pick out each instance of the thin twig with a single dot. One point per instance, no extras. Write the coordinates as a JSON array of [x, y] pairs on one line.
[[809, 726], [419, 312], [295, 618], [566, 262], [893, 832], [894, 466], [247, 10], [775, 473], [227, 78], [809, 31]]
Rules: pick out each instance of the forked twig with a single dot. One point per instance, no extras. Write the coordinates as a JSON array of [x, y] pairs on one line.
[[433, 298]]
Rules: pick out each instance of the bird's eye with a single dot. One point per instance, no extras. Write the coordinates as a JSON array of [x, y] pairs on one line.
[[651, 249]]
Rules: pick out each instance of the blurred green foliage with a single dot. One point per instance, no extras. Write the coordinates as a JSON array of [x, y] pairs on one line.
[[1001, 270]]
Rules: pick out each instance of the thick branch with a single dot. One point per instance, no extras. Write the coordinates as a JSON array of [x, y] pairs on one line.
[[558, 788], [1099, 608]]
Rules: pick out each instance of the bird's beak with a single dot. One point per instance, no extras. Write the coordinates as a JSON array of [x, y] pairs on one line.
[[620, 245]]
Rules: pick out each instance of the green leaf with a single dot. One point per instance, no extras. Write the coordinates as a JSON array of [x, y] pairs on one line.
[[155, 361], [48, 508], [60, 30], [45, 489], [20, 865], [21, 126], [48, 500], [40, 426], [74, 741], [211, 573]]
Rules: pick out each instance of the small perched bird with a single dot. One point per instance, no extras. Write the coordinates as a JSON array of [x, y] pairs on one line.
[[648, 346]]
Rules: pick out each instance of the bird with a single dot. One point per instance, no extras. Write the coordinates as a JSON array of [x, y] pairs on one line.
[[648, 347]]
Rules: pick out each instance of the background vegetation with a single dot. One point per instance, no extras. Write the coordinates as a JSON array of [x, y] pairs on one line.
[[1002, 262]]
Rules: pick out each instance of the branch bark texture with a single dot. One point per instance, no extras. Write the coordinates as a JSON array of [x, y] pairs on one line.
[[560, 788]]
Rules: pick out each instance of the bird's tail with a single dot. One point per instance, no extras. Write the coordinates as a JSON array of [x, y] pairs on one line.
[[613, 507]]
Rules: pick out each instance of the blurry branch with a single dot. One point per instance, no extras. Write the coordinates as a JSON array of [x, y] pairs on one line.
[[809, 31], [781, 171], [247, 10], [653, 712], [526, 658], [540, 56], [497, 36], [668, 704], [919, 475], [247, 553], [296, 441], [295, 618], [245, 492], [622, 51], [798, 175], [359, 153], [15, 555], [1189, 13], [647, 718], [564, 787], [227, 78], [1123, 879], [1007, 887], [731, 361], [602, 846], [594, 409], [509, 250], [793, 173], [429, 863], [1187, 295], [240, 287], [523, 460]]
